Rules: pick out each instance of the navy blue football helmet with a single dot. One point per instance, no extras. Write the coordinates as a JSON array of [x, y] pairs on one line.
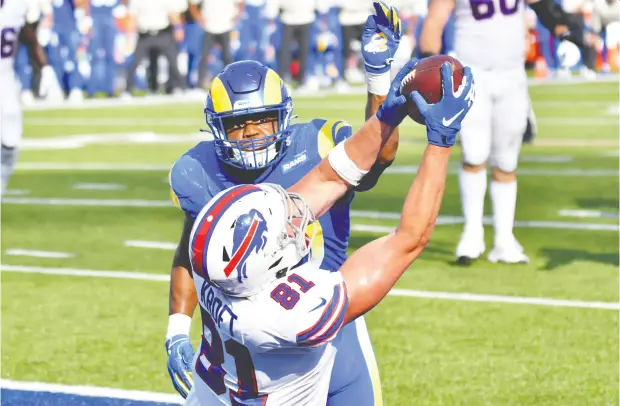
[[245, 90]]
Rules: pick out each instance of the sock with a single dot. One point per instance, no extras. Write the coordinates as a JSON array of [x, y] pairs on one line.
[[503, 201], [473, 187]]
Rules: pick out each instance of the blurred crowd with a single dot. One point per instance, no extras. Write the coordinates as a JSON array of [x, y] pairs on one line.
[[114, 47]]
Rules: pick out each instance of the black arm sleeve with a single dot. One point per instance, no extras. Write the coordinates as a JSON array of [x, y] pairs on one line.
[[549, 13], [372, 177], [181, 256]]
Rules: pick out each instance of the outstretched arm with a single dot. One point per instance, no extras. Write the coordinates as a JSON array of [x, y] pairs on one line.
[[378, 63], [350, 160], [373, 270]]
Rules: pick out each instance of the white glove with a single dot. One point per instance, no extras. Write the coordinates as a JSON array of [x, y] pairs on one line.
[[49, 87]]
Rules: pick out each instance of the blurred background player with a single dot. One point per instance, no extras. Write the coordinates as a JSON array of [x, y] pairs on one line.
[[490, 37], [352, 17], [159, 31], [13, 23], [71, 23], [249, 110], [296, 17], [101, 44], [217, 18], [29, 74]]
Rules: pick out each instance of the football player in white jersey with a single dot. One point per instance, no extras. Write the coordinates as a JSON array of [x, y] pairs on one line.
[[490, 38], [13, 23], [269, 314]]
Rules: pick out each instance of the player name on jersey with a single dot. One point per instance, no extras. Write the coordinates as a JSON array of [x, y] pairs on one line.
[[220, 312]]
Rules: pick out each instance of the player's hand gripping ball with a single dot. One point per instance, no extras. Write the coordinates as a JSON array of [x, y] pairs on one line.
[[425, 78]]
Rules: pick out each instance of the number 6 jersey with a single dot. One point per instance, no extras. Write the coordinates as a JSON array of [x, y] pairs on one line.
[[275, 348]]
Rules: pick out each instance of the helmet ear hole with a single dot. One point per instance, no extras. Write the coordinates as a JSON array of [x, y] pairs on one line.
[[281, 273]]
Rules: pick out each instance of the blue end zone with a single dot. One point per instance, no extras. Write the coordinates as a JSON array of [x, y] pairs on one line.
[[13, 397]]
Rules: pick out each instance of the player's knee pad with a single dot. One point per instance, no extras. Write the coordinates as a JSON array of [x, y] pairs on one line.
[[505, 162], [476, 157], [8, 158]]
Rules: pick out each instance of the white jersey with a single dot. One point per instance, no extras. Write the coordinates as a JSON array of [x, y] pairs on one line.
[[490, 34], [12, 19], [276, 347]]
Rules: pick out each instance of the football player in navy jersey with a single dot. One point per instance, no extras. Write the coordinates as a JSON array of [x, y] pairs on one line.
[[249, 110]]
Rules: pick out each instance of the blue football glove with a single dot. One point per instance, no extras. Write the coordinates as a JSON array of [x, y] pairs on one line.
[[381, 37], [180, 357], [443, 119], [393, 110]]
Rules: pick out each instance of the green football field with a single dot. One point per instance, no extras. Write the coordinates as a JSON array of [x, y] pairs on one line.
[[90, 193]]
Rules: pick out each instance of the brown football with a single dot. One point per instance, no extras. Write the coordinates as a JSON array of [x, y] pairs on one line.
[[426, 79]]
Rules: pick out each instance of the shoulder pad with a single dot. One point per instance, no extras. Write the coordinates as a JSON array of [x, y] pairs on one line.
[[330, 133], [189, 188], [318, 312]]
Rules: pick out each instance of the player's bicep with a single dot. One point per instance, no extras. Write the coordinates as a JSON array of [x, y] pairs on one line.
[[181, 255], [371, 271]]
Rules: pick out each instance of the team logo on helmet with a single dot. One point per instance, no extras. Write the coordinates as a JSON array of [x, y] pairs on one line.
[[249, 236]]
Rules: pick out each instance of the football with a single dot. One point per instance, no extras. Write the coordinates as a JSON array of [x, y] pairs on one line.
[[426, 79]]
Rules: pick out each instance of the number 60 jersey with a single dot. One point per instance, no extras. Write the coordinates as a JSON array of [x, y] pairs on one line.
[[490, 34], [275, 348]]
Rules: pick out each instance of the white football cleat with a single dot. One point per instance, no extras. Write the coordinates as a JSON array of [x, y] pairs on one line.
[[27, 98], [470, 248], [76, 96], [510, 252]]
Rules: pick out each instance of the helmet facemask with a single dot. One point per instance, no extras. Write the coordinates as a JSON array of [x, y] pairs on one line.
[[251, 152]]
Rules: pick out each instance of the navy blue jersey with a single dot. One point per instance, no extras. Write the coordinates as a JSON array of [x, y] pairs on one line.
[[199, 175]]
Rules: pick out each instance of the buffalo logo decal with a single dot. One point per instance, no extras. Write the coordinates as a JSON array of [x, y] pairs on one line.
[[249, 236]]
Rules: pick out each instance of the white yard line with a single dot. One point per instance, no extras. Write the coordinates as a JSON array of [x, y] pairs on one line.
[[160, 245], [85, 272], [82, 140], [199, 97], [354, 213], [19, 252], [98, 186], [487, 221], [17, 192], [578, 121], [394, 292], [556, 159], [111, 122], [411, 169], [94, 391], [398, 169], [90, 166], [581, 213], [59, 201], [576, 142]]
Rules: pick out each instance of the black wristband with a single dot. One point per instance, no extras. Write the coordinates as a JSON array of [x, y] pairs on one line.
[[427, 54]]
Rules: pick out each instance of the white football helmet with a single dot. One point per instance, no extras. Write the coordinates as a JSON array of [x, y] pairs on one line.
[[249, 235]]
